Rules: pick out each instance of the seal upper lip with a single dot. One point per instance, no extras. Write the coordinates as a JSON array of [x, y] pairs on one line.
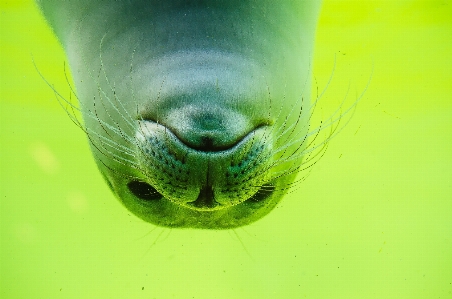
[[208, 140]]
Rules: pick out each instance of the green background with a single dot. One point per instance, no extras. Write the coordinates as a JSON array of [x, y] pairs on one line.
[[373, 219]]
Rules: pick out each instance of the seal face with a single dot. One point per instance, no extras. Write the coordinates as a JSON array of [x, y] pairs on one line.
[[197, 111]]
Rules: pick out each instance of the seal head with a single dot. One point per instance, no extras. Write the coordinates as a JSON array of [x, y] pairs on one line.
[[197, 111]]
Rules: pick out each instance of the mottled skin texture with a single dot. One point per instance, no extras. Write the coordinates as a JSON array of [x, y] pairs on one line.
[[196, 111]]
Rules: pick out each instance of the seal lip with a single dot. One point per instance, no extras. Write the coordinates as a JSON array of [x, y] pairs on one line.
[[208, 130], [216, 149]]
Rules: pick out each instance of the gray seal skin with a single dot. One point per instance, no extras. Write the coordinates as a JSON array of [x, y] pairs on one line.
[[197, 111]]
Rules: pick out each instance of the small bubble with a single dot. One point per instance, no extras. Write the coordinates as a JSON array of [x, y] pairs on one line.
[[26, 233], [44, 157], [77, 202]]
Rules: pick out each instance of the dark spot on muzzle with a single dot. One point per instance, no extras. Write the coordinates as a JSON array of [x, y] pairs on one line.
[[205, 198], [143, 190]]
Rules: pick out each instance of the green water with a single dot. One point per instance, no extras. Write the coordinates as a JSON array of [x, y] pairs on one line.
[[372, 220]]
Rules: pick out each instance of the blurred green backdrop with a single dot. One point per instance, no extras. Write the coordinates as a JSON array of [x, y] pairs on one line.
[[373, 219]]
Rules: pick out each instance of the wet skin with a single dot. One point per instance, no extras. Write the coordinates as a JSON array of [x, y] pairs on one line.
[[196, 111]]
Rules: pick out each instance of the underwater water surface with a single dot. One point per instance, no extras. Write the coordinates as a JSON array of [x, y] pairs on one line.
[[372, 219]]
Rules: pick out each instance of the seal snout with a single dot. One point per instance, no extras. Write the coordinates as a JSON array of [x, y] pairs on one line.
[[199, 178]]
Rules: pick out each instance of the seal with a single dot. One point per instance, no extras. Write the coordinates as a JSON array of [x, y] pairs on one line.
[[197, 111]]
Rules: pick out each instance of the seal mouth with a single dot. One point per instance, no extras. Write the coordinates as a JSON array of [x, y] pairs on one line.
[[203, 180], [205, 202], [206, 199]]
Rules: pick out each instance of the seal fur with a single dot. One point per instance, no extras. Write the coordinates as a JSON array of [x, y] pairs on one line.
[[197, 112]]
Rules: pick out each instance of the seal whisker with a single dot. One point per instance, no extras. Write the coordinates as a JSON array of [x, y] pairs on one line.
[[289, 143], [99, 149], [292, 186], [104, 125], [303, 139], [299, 102], [299, 167], [282, 130], [128, 120], [124, 115], [315, 152], [61, 99], [111, 144], [259, 177], [260, 157], [313, 106], [311, 147], [119, 173], [137, 144], [120, 132], [72, 115], [313, 155], [104, 142]]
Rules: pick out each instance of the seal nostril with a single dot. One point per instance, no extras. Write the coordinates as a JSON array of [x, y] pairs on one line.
[[206, 144], [264, 192], [143, 190]]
